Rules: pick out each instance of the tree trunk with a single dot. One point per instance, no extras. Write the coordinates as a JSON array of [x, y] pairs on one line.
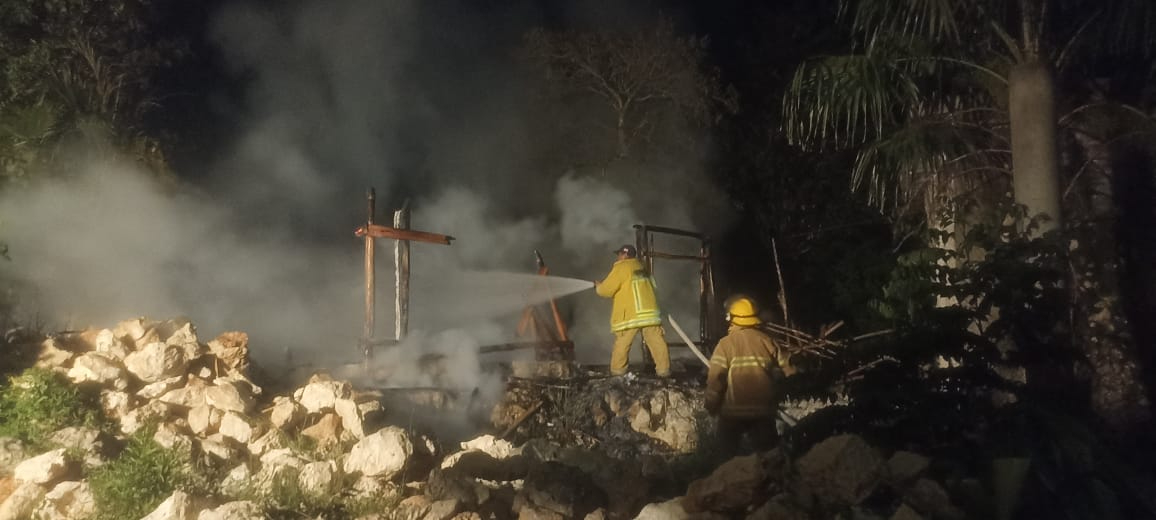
[[1119, 393], [1035, 171]]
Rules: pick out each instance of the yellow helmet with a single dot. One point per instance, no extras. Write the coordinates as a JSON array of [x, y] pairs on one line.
[[742, 311]]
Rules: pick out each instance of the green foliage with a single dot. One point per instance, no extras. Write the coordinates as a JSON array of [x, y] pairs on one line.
[[68, 66], [989, 371], [39, 402], [139, 479], [286, 499]]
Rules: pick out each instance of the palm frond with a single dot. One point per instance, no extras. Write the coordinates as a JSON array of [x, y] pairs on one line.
[[845, 100], [932, 20], [1115, 27], [916, 162]]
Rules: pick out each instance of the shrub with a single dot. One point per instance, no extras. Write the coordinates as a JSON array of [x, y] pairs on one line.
[[136, 482], [39, 402]]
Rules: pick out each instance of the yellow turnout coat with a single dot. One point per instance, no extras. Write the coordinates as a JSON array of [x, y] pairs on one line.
[[635, 305]]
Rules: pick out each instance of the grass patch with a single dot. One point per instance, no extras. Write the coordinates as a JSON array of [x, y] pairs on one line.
[[143, 476], [39, 402]]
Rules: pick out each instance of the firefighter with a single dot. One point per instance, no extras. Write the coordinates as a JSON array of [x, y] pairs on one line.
[[635, 308], [741, 385]]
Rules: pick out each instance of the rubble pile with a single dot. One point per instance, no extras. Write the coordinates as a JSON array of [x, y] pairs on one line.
[[623, 417], [586, 448]]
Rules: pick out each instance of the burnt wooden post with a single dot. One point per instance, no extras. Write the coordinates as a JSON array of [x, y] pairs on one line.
[[642, 245], [402, 235], [644, 238], [401, 276], [367, 331], [704, 286]]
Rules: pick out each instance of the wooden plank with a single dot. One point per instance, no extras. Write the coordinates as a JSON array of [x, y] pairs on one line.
[[671, 256], [379, 231], [669, 231], [401, 275], [370, 291]]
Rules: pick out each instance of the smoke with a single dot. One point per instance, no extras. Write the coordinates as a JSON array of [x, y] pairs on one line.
[[421, 100]]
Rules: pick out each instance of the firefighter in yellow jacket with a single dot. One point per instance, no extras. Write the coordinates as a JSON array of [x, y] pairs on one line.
[[741, 383], [635, 308]]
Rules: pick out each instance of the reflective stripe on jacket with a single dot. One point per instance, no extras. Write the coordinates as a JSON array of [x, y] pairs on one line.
[[741, 380], [635, 305]]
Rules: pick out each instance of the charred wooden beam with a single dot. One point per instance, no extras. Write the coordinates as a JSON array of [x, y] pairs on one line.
[[672, 256], [378, 231], [527, 345], [669, 231], [401, 275]]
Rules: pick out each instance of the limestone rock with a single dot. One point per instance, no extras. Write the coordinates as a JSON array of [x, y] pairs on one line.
[[240, 510], [492, 446], [179, 506], [219, 447], [669, 510], [116, 404], [275, 467], [171, 437], [730, 488], [156, 361], [53, 354], [382, 454], [906, 513], [42, 469], [843, 469], [321, 395], [204, 420], [109, 344], [238, 427], [232, 348], [781, 508], [193, 394], [326, 432], [12, 452], [229, 396], [162, 387], [928, 497], [237, 481], [152, 411], [271, 440], [320, 477], [374, 487], [81, 439], [561, 490], [351, 418], [128, 331], [98, 368], [185, 339], [22, 502], [667, 416], [286, 413], [904, 467], [67, 501]]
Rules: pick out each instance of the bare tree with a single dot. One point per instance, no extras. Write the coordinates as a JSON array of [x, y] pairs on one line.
[[642, 76]]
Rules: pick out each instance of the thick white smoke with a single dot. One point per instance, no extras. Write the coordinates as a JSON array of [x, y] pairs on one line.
[[340, 96]]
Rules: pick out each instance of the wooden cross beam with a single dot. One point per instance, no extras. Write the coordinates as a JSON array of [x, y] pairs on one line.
[[402, 236]]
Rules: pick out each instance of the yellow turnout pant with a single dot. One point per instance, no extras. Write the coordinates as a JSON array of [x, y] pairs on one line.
[[653, 335]]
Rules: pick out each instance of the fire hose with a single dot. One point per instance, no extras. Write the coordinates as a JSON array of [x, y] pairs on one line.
[[784, 416]]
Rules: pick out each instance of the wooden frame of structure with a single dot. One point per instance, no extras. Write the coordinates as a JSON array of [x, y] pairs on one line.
[[402, 236], [644, 241]]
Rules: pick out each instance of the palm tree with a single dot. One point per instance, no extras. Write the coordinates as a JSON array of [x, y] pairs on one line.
[[943, 91], [967, 99]]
